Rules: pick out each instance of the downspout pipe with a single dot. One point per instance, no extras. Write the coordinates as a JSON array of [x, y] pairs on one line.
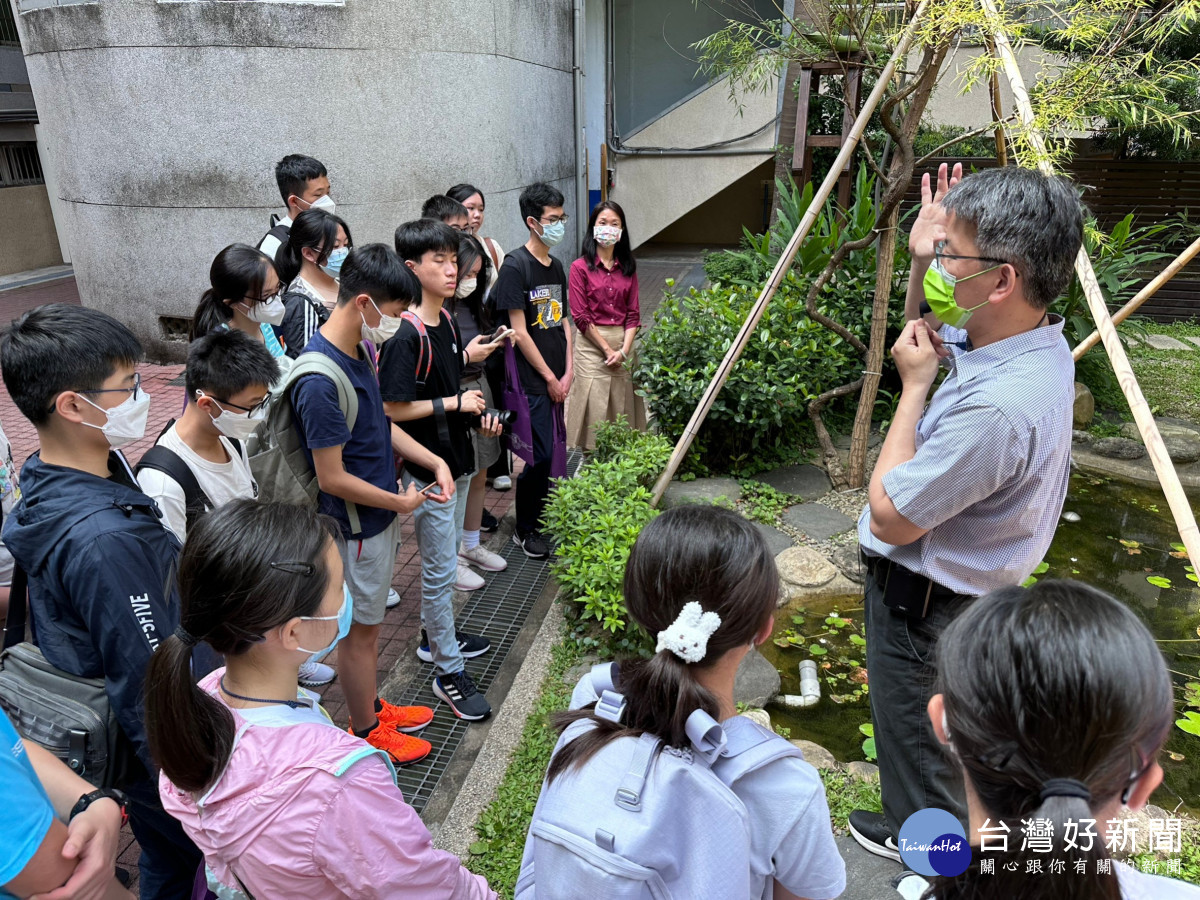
[[581, 187]]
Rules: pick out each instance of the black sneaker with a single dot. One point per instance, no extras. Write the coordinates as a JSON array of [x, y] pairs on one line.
[[469, 645], [873, 835], [533, 544], [489, 523], [461, 695]]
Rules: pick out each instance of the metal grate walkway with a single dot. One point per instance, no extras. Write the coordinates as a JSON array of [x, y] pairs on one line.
[[498, 611]]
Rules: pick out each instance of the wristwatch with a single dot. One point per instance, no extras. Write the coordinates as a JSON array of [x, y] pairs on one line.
[[113, 794]]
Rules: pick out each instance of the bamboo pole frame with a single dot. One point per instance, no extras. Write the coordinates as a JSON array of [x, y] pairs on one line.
[[1181, 509], [1141, 297], [785, 260]]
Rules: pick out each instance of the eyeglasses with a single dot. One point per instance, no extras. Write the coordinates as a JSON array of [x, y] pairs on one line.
[[556, 219], [939, 253], [262, 405], [137, 386], [462, 229], [277, 293]]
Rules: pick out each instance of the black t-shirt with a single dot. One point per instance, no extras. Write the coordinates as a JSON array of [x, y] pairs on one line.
[[398, 383], [524, 283]]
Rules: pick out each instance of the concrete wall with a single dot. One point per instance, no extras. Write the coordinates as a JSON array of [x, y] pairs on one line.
[[27, 237], [718, 220], [655, 191], [166, 120], [950, 106]]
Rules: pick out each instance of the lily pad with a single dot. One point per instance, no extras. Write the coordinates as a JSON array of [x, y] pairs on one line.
[[1189, 723], [1159, 581]]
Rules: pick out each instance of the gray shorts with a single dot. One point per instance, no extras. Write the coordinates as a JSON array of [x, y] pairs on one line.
[[487, 449], [368, 572]]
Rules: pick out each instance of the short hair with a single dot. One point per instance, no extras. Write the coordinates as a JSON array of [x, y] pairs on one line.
[[316, 229], [441, 207], [461, 192], [58, 347], [225, 363], [1031, 220], [294, 172], [416, 238], [536, 197], [376, 270]]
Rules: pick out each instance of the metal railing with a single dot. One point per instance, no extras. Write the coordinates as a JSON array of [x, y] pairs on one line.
[[8, 24], [20, 164]]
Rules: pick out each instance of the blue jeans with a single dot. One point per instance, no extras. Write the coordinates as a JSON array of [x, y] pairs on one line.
[[438, 528]]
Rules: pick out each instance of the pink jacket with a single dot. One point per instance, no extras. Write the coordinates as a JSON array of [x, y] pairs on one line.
[[304, 809]]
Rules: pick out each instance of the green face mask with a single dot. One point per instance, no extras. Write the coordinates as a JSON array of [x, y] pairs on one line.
[[939, 294]]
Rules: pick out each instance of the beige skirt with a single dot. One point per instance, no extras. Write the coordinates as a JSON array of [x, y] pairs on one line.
[[598, 393]]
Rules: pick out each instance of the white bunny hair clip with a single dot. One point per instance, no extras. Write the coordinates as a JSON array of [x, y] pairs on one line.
[[687, 637]]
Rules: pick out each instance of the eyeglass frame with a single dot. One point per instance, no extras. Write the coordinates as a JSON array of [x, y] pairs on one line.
[[263, 404], [564, 218], [133, 391], [267, 299], [939, 255]]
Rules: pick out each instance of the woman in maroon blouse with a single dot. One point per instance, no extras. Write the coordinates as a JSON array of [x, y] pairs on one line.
[[603, 293]]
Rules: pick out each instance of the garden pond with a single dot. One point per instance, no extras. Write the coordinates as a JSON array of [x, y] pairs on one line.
[[1113, 535]]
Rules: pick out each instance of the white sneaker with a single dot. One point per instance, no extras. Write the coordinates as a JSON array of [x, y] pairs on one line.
[[468, 580], [503, 483], [484, 558], [315, 674], [393, 599]]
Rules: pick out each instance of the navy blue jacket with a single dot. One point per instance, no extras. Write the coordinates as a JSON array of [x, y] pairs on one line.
[[101, 568]]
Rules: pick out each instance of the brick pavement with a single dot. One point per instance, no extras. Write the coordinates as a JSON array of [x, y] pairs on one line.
[[401, 625]]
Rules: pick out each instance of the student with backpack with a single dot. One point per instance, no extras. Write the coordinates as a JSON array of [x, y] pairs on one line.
[[282, 802], [1055, 702], [657, 787], [420, 373], [354, 466], [532, 290], [100, 563], [309, 263], [245, 294], [303, 184]]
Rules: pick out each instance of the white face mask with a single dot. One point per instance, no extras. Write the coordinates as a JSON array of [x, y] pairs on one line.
[[466, 287], [238, 426], [270, 312], [606, 235], [326, 203], [126, 421], [388, 325]]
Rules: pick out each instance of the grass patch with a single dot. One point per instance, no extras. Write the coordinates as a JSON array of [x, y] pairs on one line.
[[845, 794], [1170, 379], [504, 823]]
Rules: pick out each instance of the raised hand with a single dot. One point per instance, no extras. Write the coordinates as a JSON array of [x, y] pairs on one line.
[[930, 225]]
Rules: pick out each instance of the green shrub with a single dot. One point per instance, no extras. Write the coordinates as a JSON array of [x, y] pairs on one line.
[[760, 417], [596, 516]]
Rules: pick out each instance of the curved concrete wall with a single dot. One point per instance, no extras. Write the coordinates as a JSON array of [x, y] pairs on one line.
[[167, 119]]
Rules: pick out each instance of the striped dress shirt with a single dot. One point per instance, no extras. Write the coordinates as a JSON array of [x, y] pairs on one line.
[[993, 458]]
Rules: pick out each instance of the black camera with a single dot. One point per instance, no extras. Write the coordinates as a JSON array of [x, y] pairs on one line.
[[504, 416]]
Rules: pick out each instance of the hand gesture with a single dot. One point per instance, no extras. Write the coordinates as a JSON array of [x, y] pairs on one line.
[[92, 838], [410, 499], [480, 349], [555, 389], [930, 224], [472, 403], [614, 358], [491, 426], [916, 355]]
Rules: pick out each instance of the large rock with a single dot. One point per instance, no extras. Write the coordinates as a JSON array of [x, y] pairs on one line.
[[1082, 437], [777, 541], [702, 490], [806, 482], [863, 771], [1182, 443], [805, 576], [847, 560], [1140, 827], [816, 520], [816, 755], [1085, 406], [1118, 448], [756, 682], [759, 716]]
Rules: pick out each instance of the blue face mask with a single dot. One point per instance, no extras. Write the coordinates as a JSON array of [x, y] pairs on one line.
[[345, 615], [553, 233], [333, 265]]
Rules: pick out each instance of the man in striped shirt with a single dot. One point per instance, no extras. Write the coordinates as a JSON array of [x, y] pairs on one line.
[[967, 491]]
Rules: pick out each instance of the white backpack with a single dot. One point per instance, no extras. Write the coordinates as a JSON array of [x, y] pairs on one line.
[[640, 819]]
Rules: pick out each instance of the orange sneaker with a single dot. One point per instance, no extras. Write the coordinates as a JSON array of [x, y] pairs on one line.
[[405, 718], [403, 750]]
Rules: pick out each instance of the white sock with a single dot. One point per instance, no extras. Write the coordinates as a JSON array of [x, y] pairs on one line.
[[470, 540]]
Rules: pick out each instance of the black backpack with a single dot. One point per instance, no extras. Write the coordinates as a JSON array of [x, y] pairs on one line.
[[167, 461]]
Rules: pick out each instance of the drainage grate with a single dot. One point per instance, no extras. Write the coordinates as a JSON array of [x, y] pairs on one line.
[[498, 612]]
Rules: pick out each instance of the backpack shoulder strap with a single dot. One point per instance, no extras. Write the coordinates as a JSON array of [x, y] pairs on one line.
[[633, 784], [314, 363], [425, 354], [748, 750], [167, 461]]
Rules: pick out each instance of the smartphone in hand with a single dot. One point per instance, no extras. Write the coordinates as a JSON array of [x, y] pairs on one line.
[[429, 487], [500, 334]]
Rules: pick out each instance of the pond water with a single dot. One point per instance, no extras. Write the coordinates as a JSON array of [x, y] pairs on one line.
[[1123, 537]]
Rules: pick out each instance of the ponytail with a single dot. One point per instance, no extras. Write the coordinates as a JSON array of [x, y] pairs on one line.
[[246, 568], [701, 554], [314, 229], [238, 272], [190, 732], [1057, 700]]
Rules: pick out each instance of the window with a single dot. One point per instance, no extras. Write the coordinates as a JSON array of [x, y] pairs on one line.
[[20, 164], [8, 25]]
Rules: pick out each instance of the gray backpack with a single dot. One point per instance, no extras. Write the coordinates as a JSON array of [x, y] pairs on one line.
[[278, 457], [643, 820]]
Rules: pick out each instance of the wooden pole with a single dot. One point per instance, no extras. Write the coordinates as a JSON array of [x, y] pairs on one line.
[[1181, 509], [1001, 147], [785, 260], [1141, 297]]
